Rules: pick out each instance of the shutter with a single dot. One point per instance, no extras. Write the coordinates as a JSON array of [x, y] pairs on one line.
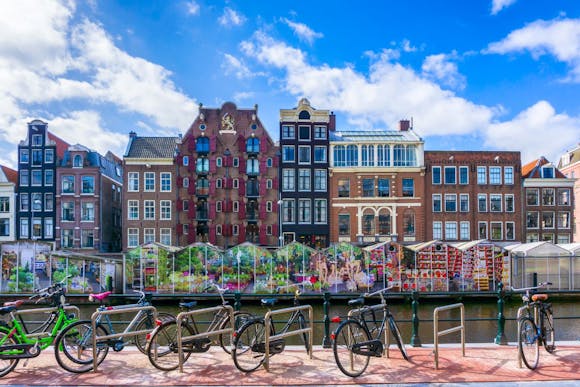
[[211, 210], [263, 236], [191, 236], [179, 181], [241, 234], [191, 189], [275, 230], [262, 211], [241, 187], [242, 167], [179, 205], [241, 210], [212, 165], [275, 183], [212, 187], [263, 166], [263, 146], [191, 144], [212, 144], [179, 229], [276, 161], [241, 144], [262, 187], [191, 166], [212, 234]]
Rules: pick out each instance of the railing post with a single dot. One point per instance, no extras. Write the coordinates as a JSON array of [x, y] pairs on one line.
[[325, 306], [500, 339], [415, 340], [237, 301]]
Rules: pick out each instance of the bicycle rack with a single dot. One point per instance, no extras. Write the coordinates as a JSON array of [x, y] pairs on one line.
[[378, 307], [436, 332], [117, 310], [46, 310], [184, 315], [268, 323]]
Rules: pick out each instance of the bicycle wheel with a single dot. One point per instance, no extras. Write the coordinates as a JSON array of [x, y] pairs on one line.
[[249, 349], [349, 333], [397, 335], [528, 343], [302, 324], [162, 348], [76, 343], [147, 323], [239, 319], [7, 365], [548, 333]]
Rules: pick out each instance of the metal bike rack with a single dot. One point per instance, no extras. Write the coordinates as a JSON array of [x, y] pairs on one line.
[[46, 310], [386, 330], [117, 310], [268, 323], [436, 332], [184, 315]]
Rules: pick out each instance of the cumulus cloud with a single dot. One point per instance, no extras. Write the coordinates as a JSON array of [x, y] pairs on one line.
[[440, 68], [560, 38], [231, 18], [303, 32], [192, 7], [235, 66], [498, 5]]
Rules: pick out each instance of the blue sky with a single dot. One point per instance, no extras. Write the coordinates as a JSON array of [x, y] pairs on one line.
[[472, 75]]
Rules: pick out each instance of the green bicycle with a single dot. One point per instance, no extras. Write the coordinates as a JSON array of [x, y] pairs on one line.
[[18, 342]]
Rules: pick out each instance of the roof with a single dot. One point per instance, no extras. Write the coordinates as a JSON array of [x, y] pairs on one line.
[[538, 249], [421, 246], [570, 157], [10, 174], [61, 145], [375, 136], [574, 248], [152, 147], [469, 244], [533, 168]]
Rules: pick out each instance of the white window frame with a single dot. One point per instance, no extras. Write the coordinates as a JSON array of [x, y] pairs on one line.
[[133, 181], [149, 182], [438, 230], [132, 237], [165, 182], [148, 210], [165, 210]]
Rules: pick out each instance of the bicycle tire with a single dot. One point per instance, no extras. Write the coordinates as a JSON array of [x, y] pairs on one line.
[[248, 350], [302, 324], [162, 349], [548, 332], [349, 333], [76, 343], [397, 335], [7, 365], [528, 343], [226, 341], [147, 323]]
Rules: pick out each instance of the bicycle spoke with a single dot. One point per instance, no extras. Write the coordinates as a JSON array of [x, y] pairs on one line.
[[528, 344], [348, 335]]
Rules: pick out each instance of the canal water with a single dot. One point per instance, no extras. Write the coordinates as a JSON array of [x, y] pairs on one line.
[[481, 317]]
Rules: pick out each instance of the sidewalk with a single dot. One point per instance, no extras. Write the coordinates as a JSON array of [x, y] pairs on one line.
[[482, 364]]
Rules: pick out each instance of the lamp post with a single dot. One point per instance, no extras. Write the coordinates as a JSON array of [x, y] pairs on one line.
[[226, 162], [281, 235]]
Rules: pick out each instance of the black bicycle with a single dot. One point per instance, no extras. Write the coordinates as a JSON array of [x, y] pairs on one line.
[[358, 337]]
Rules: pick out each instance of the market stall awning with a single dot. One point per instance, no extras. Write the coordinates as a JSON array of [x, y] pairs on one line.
[[469, 244], [538, 249], [423, 245], [573, 248]]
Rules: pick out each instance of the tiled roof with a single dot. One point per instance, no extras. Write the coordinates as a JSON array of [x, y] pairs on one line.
[[151, 147], [61, 145], [574, 156], [532, 169], [11, 174]]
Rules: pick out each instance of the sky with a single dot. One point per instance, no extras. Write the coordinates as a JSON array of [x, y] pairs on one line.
[[471, 75]]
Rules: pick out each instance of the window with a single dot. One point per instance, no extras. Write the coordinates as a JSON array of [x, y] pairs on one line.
[[133, 210], [464, 202], [532, 219], [464, 233], [343, 224], [288, 180], [495, 202], [563, 239], [408, 188], [185, 161], [532, 197], [49, 156], [437, 203], [68, 184], [67, 238], [320, 154], [288, 132], [236, 162], [269, 184], [320, 180], [436, 176], [186, 182], [451, 230], [4, 204], [37, 157], [367, 156], [49, 201], [236, 183], [563, 197], [450, 175], [304, 180], [482, 230], [510, 231], [186, 229], [450, 203], [320, 132], [303, 133], [68, 211], [149, 235], [4, 227], [253, 145], [202, 144], [437, 230], [383, 156], [24, 176], [48, 177], [87, 238], [149, 181], [88, 211], [36, 177], [288, 154], [508, 176], [24, 229], [548, 196], [509, 203], [548, 219], [149, 209], [165, 182], [563, 219], [202, 165], [218, 206], [134, 181], [24, 156], [268, 206], [48, 227], [339, 156], [495, 175], [409, 223], [36, 202], [88, 184], [165, 210], [384, 188], [133, 237], [548, 172], [548, 237], [368, 188], [24, 202], [481, 202], [463, 175], [481, 175], [288, 211], [320, 211], [303, 154], [496, 231], [165, 236], [77, 161], [304, 211], [343, 188], [37, 140], [368, 224]]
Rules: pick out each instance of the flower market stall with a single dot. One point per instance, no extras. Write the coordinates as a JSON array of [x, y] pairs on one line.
[[477, 265], [346, 268], [297, 264], [195, 265], [426, 268], [245, 268], [384, 264], [149, 267]]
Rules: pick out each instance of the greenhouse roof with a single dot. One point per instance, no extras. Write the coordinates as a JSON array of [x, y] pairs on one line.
[[574, 248], [469, 244], [538, 249], [421, 246]]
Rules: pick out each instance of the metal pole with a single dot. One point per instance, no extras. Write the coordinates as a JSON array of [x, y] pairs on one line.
[[415, 340], [326, 339], [500, 339], [237, 300]]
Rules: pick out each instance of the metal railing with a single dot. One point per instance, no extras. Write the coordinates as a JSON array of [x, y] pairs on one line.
[[437, 333]]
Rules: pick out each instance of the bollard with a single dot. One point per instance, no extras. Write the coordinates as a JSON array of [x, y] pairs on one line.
[[500, 339], [237, 301], [415, 340], [326, 339]]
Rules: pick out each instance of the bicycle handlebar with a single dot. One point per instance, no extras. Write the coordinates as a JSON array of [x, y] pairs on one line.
[[541, 285], [49, 291], [366, 295]]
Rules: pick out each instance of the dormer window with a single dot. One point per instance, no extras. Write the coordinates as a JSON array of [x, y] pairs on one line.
[[77, 161], [548, 172], [304, 115]]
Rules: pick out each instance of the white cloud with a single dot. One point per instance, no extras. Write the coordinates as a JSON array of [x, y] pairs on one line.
[[231, 18], [235, 66], [498, 5], [407, 47], [192, 7], [560, 38], [440, 68], [244, 96], [303, 31]]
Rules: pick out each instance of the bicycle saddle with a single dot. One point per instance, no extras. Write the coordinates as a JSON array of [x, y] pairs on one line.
[[268, 301], [98, 296], [15, 304], [539, 297], [7, 309], [356, 302], [187, 305]]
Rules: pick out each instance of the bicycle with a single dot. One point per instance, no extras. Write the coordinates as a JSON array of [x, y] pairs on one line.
[[249, 346], [17, 342], [535, 326], [162, 343], [358, 337], [76, 340]]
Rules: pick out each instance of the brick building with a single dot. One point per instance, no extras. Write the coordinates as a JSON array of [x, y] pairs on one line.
[[473, 195], [569, 165], [8, 181]]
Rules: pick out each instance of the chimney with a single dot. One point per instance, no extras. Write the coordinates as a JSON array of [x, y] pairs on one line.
[[404, 125], [132, 134], [332, 122]]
